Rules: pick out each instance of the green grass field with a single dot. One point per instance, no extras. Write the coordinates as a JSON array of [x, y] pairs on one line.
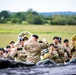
[[9, 32]]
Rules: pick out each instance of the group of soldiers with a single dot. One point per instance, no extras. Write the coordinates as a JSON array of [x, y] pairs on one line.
[[29, 49]]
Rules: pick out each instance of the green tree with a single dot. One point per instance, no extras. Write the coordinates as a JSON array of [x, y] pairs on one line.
[[16, 20], [71, 21], [2, 21], [21, 15], [33, 17], [58, 20], [4, 14], [38, 20]]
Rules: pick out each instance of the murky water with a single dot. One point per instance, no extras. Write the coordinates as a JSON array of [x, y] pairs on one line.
[[69, 69], [64, 70]]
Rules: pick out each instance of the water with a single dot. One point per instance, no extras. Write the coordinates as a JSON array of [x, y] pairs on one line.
[[69, 69], [63, 70]]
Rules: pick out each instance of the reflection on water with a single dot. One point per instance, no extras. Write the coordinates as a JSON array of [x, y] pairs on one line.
[[61, 70], [46, 67]]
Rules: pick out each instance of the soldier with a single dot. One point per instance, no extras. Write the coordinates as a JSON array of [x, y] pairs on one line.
[[43, 51], [8, 48], [56, 41], [12, 44], [60, 49], [9, 53], [20, 54], [53, 54], [1, 52], [19, 43], [33, 49], [66, 45], [48, 55], [58, 55], [67, 48]]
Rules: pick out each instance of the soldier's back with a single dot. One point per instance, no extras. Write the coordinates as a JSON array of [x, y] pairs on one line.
[[33, 51]]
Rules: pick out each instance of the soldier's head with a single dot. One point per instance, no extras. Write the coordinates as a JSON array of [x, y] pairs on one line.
[[51, 46], [8, 48], [66, 42], [12, 44], [1, 51], [55, 40], [21, 42], [40, 41], [35, 37]]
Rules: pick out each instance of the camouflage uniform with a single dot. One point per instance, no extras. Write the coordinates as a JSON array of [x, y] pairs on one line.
[[33, 51], [58, 55], [64, 52], [1, 55], [20, 56], [8, 55], [19, 53], [53, 56], [67, 54], [60, 50]]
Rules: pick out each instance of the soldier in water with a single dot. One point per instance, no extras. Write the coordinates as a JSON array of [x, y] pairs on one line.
[[53, 54], [33, 49], [2, 52], [67, 47]]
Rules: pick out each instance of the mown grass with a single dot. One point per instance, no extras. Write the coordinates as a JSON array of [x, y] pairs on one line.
[[10, 32]]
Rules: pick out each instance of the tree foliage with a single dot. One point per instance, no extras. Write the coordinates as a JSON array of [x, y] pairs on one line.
[[4, 14], [63, 20], [33, 17]]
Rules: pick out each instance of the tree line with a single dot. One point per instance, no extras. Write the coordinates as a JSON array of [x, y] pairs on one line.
[[33, 17]]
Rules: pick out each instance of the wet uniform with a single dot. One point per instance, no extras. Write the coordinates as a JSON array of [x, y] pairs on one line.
[[53, 56], [20, 56], [67, 54], [33, 51]]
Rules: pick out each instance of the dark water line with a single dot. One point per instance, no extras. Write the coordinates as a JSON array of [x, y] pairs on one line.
[[46, 67]]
